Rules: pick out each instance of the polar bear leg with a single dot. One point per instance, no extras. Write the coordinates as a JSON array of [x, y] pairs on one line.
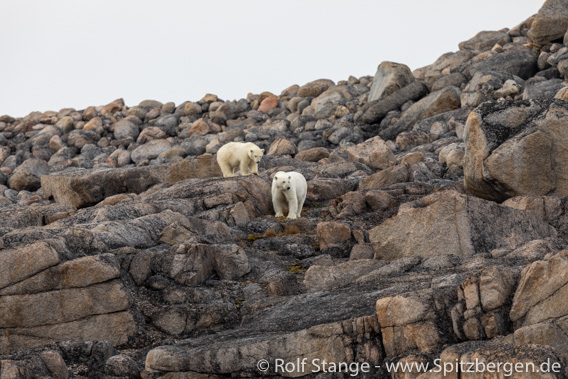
[[226, 169], [292, 206], [253, 167], [300, 206], [277, 204], [244, 168]]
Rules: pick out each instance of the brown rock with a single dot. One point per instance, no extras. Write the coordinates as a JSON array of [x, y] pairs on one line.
[[374, 153], [315, 88], [453, 223], [312, 155], [113, 107], [550, 23], [281, 146], [268, 104], [332, 234], [203, 126], [389, 78], [386, 177]]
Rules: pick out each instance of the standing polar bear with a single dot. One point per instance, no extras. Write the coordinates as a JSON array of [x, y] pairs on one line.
[[246, 156], [289, 187]]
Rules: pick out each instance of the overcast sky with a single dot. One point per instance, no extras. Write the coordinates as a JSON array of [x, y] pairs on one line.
[[58, 54]]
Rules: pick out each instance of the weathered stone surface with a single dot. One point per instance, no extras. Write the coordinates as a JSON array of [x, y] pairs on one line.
[[550, 23], [374, 153], [519, 61], [21, 263], [511, 152], [332, 233], [315, 88], [461, 228], [374, 111], [321, 278], [192, 267], [389, 78], [410, 322], [28, 175], [395, 174], [282, 146], [435, 103], [485, 40], [82, 188], [541, 289]]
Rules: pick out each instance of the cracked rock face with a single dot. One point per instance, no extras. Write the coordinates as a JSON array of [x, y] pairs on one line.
[[435, 225]]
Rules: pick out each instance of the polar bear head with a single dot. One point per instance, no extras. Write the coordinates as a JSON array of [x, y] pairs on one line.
[[282, 181], [255, 153]]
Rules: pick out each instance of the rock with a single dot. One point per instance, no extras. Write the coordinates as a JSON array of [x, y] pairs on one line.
[[150, 150], [326, 104], [455, 79], [192, 109], [27, 176], [543, 90], [105, 303], [122, 366], [410, 321], [374, 111], [374, 153], [80, 138], [389, 78], [386, 177], [538, 296], [435, 103], [312, 155], [325, 278], [28, 260], [331, 234], [483, 41], [113, 107], [496, 133], [82, 188], [196, 264], [519, 61], [550, 22], [282, 146], [125, 129], [203, 127], [268, 104], [150, 133], [315, 88], [54, 363], [459, 229]]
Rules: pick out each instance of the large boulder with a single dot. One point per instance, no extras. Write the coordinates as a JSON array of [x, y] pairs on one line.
[[81, 188], [389, 78], [374, 111], [28, 175], [456, 224], [519, 60], [550, 22], [435, 103], [516, 149]]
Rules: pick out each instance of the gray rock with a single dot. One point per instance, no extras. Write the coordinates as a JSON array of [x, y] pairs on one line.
[[28, 175], [389, 78], [374, 111], [519, 61], [125, 129]]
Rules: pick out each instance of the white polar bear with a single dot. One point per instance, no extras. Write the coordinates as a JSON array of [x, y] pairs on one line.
[[289, 187], [246, 156]]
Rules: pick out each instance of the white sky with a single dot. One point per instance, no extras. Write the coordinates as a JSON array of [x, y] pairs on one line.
[[76, 53]]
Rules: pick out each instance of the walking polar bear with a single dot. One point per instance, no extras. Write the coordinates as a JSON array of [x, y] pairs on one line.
[[246, 156], [291, 188]]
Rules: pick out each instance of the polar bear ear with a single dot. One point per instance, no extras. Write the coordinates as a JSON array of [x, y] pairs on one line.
[[262, 150], [275, 178]]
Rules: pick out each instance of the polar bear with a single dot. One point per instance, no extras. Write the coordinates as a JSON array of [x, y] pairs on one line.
[[289, 187], [246, 156]]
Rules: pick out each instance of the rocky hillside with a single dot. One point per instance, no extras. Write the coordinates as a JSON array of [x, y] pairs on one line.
[[434, 230]]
